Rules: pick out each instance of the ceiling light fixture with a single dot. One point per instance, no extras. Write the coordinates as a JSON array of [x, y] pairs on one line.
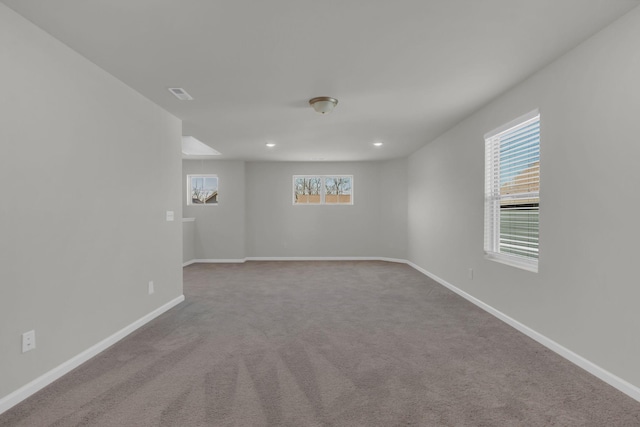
[[323, 104], [270, 144], [378, 144]]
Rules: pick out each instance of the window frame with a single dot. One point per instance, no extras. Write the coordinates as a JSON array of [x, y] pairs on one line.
[[323, 190], [492, 202], [202, 175]]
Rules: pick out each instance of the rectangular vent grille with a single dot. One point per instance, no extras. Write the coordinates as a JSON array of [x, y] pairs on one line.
[[180, 93]]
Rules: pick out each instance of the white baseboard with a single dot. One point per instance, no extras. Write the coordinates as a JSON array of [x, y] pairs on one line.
[[606, 376], [216, 261], [317, 258], [47, 378], [296, 258], [27, 390], [396, 260]]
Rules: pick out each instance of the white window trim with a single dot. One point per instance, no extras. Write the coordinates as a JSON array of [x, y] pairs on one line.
[[203, 175], [513, 261], [513, 123], [322, 189], [508, 259]]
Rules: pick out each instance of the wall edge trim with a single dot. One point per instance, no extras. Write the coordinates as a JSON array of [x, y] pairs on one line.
[[326, 258], [17, 396], [47, 378], [601, 373], [297, 258]]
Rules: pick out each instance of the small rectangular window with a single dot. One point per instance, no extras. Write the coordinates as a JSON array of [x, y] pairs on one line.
[[307, 189], [337, 190], [323, 190], [202, 189], [512, 192]]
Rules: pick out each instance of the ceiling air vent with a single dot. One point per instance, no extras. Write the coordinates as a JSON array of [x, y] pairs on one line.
[[180, 93]]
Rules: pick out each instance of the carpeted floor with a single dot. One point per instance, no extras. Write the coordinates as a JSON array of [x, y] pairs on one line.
[[324, 344]]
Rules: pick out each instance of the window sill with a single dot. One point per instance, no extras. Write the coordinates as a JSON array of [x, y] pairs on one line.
[[513, 262]]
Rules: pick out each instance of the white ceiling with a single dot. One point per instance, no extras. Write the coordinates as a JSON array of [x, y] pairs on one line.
[[404, 71]]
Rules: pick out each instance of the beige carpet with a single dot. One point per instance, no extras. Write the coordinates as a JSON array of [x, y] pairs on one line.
[[324, 344]]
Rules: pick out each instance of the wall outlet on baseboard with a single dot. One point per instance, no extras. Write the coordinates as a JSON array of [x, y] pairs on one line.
[[151, 288], [470, 274], [28, 341]]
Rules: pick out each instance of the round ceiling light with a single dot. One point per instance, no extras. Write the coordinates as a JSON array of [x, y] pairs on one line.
[[323, 104], [270, 144], [378, 144]]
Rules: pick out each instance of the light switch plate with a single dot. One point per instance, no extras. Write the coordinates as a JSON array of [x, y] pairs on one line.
[[170, 216], [28, 341]]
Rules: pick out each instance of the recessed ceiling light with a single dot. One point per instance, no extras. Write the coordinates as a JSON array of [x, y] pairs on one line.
[[378, 144], [270, 144], [181, 94]]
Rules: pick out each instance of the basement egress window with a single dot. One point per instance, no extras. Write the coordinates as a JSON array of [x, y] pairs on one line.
[[202, 190], [512, 192], [323, 190]]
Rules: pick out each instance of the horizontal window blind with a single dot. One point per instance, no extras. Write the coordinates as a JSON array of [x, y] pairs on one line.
[[512, 191]]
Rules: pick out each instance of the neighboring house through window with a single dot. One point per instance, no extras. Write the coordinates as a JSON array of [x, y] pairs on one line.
[[512, 192], [202, 189]]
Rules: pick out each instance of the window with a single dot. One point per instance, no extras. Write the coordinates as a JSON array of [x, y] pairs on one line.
[[202, 189], [323, 190], [512, 192]]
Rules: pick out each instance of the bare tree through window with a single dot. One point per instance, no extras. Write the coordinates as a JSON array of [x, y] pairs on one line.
[[203, 189], [338, 189], [327, 189]]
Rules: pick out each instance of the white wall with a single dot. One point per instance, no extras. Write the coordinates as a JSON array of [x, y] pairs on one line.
[[88, 168], [219, 229], [585, 296], [374, 226]]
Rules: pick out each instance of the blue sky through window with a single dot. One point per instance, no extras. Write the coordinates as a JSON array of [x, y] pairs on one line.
[[519, 150]]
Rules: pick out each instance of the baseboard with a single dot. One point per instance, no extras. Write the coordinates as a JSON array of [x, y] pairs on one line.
[[297, 258], [606, 376], [217, 261], [42, 381], [320, 258]]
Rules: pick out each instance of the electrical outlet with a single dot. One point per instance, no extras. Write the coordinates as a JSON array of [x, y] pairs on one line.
[[471, 274], [28, 341], [151, 288]]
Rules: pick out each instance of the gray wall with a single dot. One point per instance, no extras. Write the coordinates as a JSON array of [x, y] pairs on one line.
[[374, 226], [188, 241], [585, 296], [88, 168], [219, 229], [255, 216]]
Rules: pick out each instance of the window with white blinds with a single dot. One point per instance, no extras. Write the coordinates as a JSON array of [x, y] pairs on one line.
[[512, 192]]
